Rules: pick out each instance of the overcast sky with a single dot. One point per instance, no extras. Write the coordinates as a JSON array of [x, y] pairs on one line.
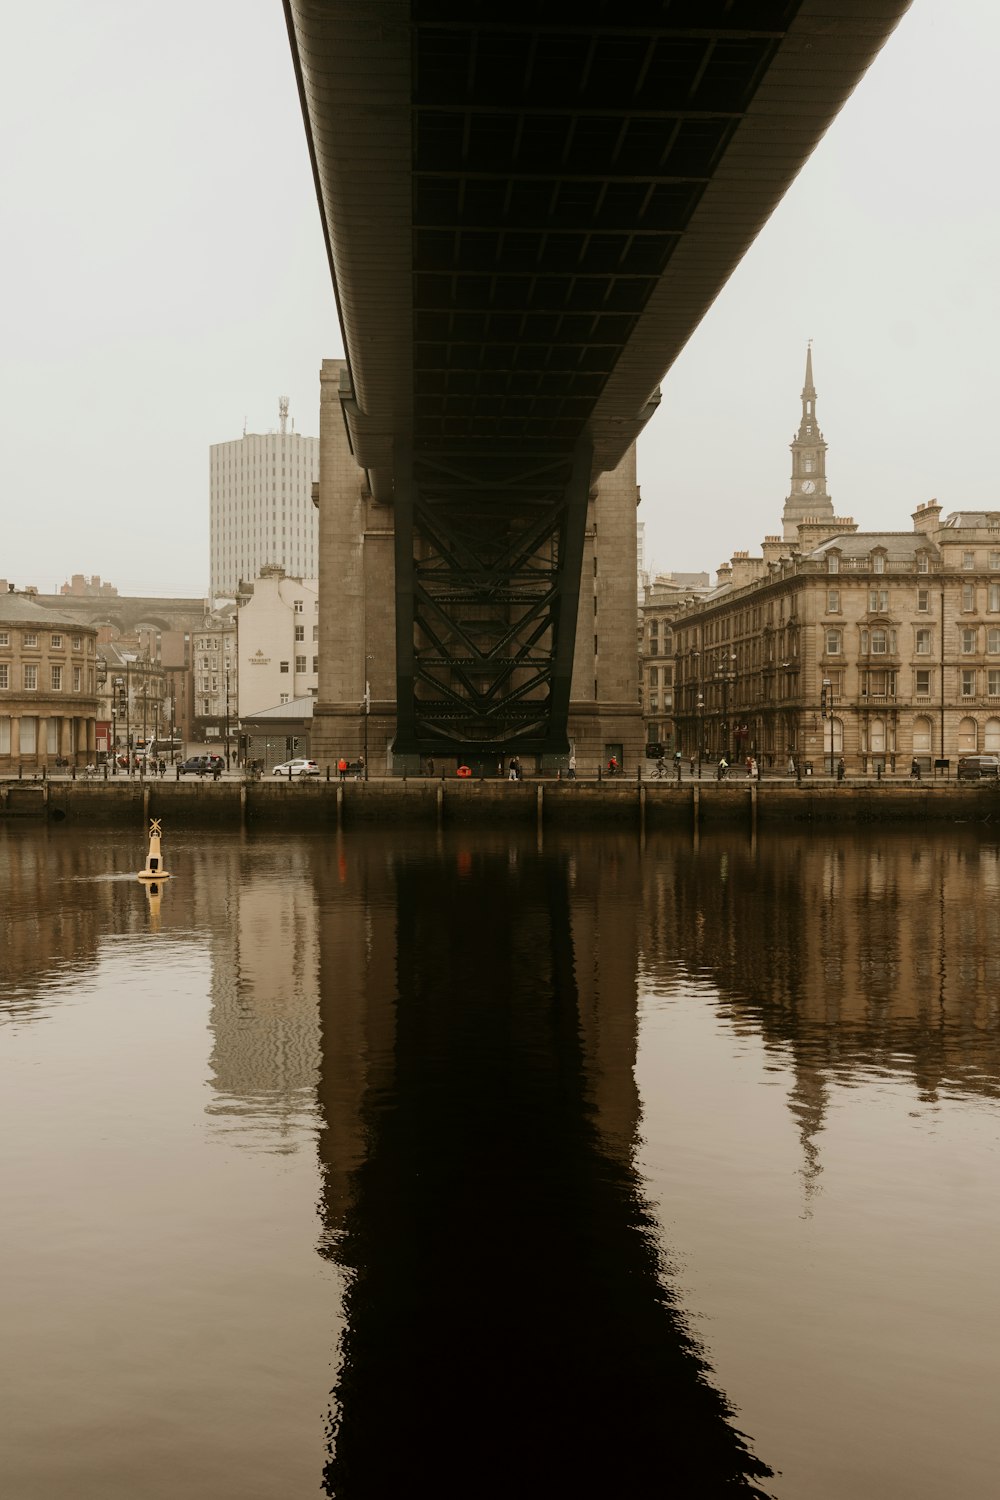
[[164, 281]]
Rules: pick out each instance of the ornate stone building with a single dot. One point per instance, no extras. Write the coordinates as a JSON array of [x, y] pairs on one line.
[[664, 597], [878, 647], [48, 702]]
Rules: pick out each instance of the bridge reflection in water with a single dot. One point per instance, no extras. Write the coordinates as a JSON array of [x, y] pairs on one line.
[[522, 1238], [510, 1325]]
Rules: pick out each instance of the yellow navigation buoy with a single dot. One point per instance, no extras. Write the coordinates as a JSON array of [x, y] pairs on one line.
[[154, 859]]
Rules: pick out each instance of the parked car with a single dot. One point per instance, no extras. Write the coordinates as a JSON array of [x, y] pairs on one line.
[[979, 767], [297, 767], [201, 765]]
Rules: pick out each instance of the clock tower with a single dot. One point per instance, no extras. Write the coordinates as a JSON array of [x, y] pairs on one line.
[[807, 497]]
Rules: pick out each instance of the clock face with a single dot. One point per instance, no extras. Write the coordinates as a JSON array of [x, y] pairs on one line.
[[808, 485]]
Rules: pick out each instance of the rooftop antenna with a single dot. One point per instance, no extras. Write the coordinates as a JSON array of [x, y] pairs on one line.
[[283, 414]]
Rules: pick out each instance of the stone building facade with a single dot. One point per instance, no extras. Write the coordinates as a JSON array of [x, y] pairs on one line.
[[214, 676], [48, 687], [878, 647], [664, 597]]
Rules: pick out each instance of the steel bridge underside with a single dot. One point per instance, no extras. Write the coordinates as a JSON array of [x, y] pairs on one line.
[[526, 219]]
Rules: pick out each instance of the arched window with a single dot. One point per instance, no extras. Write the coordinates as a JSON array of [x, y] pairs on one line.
[[967, 736], [876, 736], [922, 731], [991, 736], [837, 731], [668, 641]]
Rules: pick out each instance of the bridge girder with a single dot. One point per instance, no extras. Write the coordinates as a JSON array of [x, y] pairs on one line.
[[526, 219]]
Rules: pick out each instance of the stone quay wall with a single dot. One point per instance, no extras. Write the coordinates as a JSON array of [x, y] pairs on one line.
[[542, 803]]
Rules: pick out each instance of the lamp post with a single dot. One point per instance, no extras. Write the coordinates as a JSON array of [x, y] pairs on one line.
[[171, 718], [128, 708], [694, 676], [701, 704], [115, 688], [367, 708], [726, 675], [114, 757], [826, 704], [227, 716]]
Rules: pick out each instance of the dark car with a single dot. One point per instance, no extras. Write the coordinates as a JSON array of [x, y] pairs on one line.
[[201, 765], [979, 767]]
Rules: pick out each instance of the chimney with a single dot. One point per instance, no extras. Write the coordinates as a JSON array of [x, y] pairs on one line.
[[926, 517]]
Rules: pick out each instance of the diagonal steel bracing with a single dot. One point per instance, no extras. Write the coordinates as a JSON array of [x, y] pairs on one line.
[[489, 547]]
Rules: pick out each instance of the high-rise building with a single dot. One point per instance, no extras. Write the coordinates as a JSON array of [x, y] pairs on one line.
[[261, 511]]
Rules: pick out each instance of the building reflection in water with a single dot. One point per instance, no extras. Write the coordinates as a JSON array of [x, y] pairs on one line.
[[850, 956], [510, 1325], [265, 980]]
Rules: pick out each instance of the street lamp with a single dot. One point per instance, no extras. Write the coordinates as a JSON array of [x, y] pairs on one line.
[[128, 707], [366, 708], [694, 685], [826, 709], [227, 716], [701, 705], [726, 675], [116, 685]]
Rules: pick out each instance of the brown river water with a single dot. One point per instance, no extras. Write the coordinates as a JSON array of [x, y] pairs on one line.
[[473, 1166]]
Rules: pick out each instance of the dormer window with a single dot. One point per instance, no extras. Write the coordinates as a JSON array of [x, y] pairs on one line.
[[878, 562], [833, 562], [923, 563]]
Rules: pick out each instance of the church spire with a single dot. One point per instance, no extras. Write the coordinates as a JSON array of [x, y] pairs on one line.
[[809, 390], [807, 498]]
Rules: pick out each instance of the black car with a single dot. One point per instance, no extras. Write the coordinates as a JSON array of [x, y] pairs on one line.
[[201, 765], [978, 767]]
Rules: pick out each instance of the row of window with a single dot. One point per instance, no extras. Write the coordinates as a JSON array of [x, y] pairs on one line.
[[300, 664], [881, 641], [31, 639], [873, 682], [878, 600], [971, 560], [656, 646], [57, 678]]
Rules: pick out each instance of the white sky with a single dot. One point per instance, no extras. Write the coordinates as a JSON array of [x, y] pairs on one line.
[[164, 279]]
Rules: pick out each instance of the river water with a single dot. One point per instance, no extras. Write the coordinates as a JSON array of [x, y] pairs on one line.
[[461, 1166]]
